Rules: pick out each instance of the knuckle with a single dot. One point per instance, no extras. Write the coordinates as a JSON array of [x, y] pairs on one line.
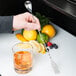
[[27, 13]]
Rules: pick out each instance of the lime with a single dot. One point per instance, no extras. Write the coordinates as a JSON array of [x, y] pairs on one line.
[[42, 38]]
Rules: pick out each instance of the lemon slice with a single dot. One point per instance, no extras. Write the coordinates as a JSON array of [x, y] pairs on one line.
[[25, 45], [42, 49], [35, 45]]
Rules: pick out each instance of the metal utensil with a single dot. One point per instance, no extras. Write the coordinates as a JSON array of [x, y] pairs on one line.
[[28, 5], [54, 65]]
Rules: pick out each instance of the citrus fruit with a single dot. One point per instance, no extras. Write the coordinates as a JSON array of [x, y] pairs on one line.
[[42, 38], [42, 49], [30, 35], [38, 47], [49, 30], [25, 45], [35, 45], [20, 37]]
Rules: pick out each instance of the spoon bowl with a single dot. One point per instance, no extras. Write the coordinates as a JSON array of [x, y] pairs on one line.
[[28, 6]]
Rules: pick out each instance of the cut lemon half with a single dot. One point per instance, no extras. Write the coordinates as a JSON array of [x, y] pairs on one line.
[[30, 35]]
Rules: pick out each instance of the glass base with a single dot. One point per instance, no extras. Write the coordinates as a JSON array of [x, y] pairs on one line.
[[23, 71]]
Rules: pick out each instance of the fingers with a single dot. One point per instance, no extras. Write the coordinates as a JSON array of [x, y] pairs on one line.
[[29, 17], [32, 26], [32, 22], [36, 20], [32, 18]]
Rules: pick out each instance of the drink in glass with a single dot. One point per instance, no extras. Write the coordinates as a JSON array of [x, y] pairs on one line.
[[22, 58]]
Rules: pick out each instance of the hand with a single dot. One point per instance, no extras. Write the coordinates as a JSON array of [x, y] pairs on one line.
[[26, 21]]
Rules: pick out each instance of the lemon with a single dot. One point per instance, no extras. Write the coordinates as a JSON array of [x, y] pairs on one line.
[[30, 35], [49, 30]]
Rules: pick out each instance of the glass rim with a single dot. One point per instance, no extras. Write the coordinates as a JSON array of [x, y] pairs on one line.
[[21, 48]]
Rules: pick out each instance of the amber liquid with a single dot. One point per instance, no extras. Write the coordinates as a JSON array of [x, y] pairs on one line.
[[22, 62]]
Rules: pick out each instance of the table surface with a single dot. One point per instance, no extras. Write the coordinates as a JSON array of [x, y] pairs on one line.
[[64, 56]]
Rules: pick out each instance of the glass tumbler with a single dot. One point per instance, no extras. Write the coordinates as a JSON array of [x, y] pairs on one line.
[[22, 57]]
